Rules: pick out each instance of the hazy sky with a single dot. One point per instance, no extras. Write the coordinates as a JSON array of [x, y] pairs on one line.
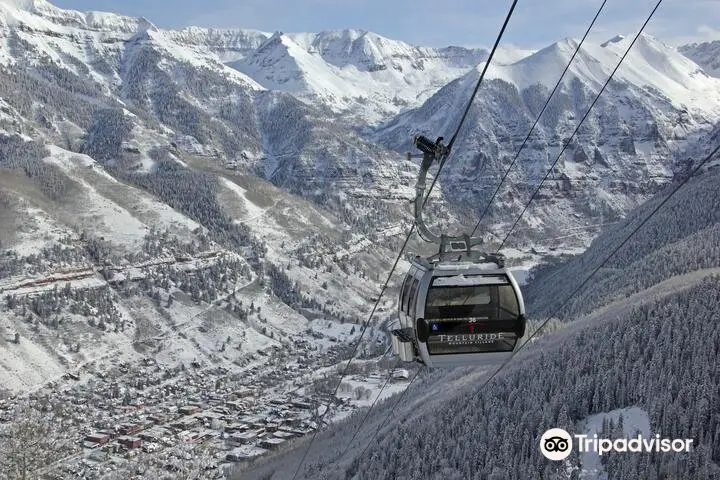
[[535, 23]]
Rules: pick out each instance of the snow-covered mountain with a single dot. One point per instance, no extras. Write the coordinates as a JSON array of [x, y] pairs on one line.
[[205, 107], [229, 45], [127, 157], [657, 101], [706, 54], [216, 198], [355, 72], [133, 97]]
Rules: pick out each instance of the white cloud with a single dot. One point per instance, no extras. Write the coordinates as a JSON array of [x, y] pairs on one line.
[[704, 33]]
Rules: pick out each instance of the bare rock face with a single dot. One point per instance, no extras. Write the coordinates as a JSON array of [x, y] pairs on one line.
[[632, 134], [295, 109]]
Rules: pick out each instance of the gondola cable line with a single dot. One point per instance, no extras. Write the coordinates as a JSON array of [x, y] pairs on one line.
[[557, 310], [537, 119], [446, 152], [577, 128], [544, 323], [592, 23]]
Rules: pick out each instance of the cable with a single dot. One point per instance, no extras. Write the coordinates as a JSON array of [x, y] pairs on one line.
[[387, 417], [367, 414], [542, 325], [635, 230], [347, 365], [407, 238], [565, 145], [482, 75], [537, 120]]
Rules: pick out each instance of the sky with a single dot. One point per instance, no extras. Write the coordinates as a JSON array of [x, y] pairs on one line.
[[470, 23]]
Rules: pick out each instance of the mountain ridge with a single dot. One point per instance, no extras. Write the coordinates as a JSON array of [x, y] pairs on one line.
[[705, 54]]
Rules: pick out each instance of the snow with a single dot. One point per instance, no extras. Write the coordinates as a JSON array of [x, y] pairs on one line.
[[198, 59], [634, 420], [507, 55], [27, 364], [253, 212], [354, 69], [109, 220], [229, 45], [462, 280], [39, 232], [331, 329], [650, 63], [121, 221], [364, 391]]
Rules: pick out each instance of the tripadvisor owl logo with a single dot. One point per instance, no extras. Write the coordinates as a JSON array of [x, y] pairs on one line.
[[556, 444]]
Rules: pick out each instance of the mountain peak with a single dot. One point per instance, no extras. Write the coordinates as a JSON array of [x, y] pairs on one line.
[[145, 25], [616, 39], [277, 40], [28, 5]]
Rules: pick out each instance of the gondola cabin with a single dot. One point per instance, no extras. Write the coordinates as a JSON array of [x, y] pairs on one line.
[[458, 313]]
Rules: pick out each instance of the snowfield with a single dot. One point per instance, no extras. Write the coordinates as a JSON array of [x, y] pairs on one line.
[[635, 420]]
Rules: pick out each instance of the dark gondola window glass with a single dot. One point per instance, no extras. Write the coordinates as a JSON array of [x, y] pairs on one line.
[[413, 297], [472, 297], [508, 300], [404, 292], [449, 302]]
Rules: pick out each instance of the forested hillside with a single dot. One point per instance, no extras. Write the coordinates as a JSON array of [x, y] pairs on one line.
[[682, 237], [645, 335], [195, 224]]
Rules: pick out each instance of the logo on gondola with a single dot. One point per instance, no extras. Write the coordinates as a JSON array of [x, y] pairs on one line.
[[467, 338], [556, 444]]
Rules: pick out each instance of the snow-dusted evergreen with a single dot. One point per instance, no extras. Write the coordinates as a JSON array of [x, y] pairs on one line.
[[206, 216], [650, 342]]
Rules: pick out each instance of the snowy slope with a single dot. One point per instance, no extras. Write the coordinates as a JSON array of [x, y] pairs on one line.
[[706, 54], [228, 44], [355, 71], [658, 102], [118, 103]]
